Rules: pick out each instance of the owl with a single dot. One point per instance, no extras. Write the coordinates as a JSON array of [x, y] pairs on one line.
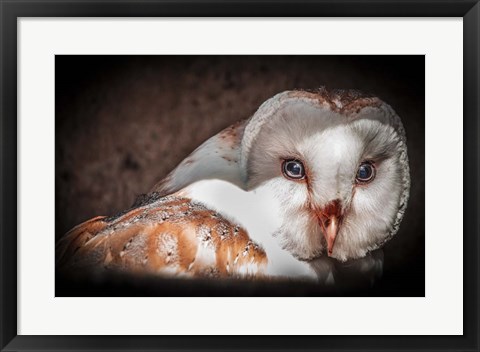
[[313, 180]]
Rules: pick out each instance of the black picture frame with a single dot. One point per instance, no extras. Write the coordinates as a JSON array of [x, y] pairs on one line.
[[12, 10]]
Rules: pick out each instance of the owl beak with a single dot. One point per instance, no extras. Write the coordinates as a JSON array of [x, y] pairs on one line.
[[330, 233], [330, 217]]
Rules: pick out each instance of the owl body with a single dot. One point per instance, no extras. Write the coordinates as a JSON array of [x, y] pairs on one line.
[[260, 215], [312, 178]]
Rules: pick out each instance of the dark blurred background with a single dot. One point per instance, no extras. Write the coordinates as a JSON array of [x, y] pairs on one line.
[[123, 122]]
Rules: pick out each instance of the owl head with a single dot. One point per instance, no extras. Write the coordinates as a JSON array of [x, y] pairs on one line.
[[336, 163]]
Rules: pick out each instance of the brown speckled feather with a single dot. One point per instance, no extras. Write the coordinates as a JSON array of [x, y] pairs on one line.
[[170, 236]]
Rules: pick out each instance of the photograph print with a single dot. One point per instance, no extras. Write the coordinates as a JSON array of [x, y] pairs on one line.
[[239, 175]]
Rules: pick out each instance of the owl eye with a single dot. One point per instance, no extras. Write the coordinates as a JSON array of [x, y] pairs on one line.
[[293, 169], [365, 173]]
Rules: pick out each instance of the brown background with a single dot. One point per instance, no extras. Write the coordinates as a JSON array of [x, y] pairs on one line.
[[123, 122]]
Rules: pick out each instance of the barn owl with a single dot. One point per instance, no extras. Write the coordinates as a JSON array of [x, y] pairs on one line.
[[312, 178]]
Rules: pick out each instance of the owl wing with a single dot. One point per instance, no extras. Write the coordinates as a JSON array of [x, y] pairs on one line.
[[216, 158], [165, 236]]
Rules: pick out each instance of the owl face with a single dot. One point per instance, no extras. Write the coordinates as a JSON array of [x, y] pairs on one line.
[[340, 178]]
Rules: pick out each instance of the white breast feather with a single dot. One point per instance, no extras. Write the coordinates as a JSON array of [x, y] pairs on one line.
[[258, 212]]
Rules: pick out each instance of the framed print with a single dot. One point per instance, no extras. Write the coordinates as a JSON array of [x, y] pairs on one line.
[[181, 176]]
